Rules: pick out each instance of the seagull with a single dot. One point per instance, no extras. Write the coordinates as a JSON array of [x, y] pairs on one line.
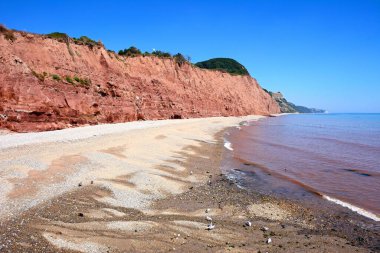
[[269, 240], [248, 223], [208, 210], [264, 229], [208, 218]]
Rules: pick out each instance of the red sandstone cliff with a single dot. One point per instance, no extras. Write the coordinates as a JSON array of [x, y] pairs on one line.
[[117, 89]]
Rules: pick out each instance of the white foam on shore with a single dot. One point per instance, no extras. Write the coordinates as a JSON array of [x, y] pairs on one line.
[[228, 145], [353, 208], [235, 176]]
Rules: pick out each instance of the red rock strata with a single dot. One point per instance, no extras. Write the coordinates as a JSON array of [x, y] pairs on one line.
[[111, 88]]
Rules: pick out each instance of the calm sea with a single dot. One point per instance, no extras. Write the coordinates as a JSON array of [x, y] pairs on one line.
[[334, 156]]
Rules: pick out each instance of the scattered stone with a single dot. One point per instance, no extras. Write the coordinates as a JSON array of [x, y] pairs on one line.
[[191, 187], [80, 184], [92, 182], [191, 172], [210, 226], [80, 214]]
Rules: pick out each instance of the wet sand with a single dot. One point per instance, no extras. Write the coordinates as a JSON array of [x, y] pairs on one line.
[[148, 190]]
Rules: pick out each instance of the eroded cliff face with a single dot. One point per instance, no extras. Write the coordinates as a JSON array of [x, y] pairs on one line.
[[46, 84]]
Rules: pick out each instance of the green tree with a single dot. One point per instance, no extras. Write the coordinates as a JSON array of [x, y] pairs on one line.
[[132, 51], [180, 59]]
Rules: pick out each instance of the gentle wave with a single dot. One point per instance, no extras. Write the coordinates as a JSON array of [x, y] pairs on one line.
[[345, 142], [353, 208], [356, 209], [235, 176], [338, 158], [228, 145]]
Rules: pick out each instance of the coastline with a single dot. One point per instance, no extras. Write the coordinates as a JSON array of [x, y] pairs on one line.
[[251, 165], [153, 183]]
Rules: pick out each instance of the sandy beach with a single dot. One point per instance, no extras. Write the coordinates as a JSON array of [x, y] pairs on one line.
[[147, 186]]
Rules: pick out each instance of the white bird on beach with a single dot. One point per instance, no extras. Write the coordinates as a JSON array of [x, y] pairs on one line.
[[269, 240], [264, 229], [248, 223], [208, 218], [208, 210]]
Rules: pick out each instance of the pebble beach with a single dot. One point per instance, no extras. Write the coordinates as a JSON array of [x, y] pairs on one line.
[[151, 186]]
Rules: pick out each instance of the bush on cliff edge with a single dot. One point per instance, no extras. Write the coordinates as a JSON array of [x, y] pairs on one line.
[[132, 52], [225, 65], [8, 34]]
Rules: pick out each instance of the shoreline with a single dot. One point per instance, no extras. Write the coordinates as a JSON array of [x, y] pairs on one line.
[[182, 180], [367, 213]]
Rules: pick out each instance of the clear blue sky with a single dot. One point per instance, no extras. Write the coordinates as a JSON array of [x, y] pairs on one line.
[[322, 53]]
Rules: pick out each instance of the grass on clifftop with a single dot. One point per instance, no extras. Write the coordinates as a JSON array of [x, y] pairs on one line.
[[8, 34], [224, 64], [58, 36], [63, 37], [179, 58]]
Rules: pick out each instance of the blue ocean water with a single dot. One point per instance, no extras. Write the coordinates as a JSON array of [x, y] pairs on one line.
[[336, 156]]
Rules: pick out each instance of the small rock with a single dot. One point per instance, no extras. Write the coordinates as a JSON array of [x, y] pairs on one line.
[[80, 184], [191, 172], [269, 240], [210, 226], [191, 187], [80, 214], [92, 182]]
